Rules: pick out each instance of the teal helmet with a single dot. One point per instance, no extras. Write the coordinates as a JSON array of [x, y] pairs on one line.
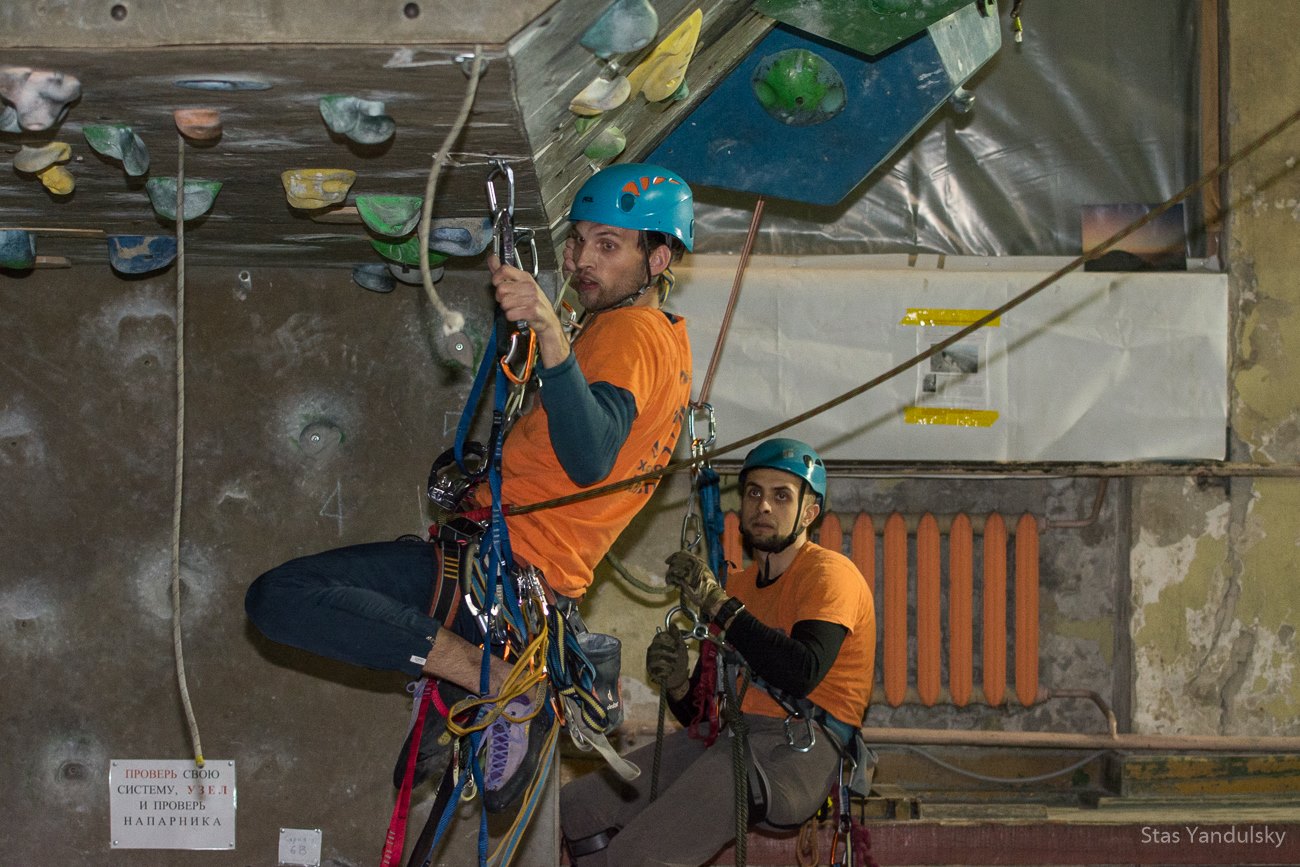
[[792, 456], [638, 196]]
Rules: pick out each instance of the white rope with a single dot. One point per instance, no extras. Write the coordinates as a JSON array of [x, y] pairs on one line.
[[452, 321], [180, 451]]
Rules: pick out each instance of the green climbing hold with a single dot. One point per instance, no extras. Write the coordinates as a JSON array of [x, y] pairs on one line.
[[390, 216], [798, 87], [200, 194], [607, 144], [119, 142], [406, 252], [625, 26]]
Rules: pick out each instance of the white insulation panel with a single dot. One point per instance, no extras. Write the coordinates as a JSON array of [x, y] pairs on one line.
[[1098, 366]]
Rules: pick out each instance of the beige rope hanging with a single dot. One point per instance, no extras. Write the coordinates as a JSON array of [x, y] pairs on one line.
[[179, 473], [452, 320]]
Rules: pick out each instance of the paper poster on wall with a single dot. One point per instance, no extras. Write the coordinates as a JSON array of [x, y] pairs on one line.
[[952, 385], [1103, 366]]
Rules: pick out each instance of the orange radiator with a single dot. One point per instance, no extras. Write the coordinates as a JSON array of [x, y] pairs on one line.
[[914, 579]]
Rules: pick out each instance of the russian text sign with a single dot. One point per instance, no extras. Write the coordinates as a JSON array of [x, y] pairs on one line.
[[165, 804]]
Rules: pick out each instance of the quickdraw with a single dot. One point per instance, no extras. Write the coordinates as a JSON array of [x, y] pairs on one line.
[[520, 347]]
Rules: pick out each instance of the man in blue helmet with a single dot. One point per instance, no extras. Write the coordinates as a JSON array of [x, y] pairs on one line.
[[801, 618], [612, 401]]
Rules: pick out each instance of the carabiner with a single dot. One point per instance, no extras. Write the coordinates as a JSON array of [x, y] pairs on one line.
[[808, 729], [518, 359], [699, 445], [700, 628]]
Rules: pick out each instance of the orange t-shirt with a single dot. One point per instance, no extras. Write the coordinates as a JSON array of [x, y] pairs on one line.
[[633, 348], [819, 585]]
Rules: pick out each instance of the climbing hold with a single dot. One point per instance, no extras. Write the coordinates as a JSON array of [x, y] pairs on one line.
[[222, 83], [390, 216], [9, 119], [406, 252], [798, 87], [460, 236], [317, 188], [35, 159], [625, 26], [58, 180], [601, 95], [199, 196], [17, 249], [44, 163], [662, 72], [362, 120], [607, 144], [140, 254], [40, 97], [410, 274], [373, 276], [459, 349], [320, 438], [582, 124], [199, 124], [118, 141]]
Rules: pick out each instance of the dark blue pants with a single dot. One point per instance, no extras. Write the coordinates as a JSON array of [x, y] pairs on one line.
[[364, 604]]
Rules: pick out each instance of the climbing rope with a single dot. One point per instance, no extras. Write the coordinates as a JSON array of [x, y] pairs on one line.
[[452, 321], [730, 309], [179, 467], [739, 761], [678, 466]]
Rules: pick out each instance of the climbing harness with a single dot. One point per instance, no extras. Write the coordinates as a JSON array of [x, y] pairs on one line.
[[570, 672]]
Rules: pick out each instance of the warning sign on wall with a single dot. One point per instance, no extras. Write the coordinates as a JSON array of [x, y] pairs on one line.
[[166, 804]]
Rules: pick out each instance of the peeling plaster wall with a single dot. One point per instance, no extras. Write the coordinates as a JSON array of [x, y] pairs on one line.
[[1215, 601]]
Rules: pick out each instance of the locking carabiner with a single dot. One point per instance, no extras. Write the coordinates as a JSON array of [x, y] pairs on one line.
[[521, 349]]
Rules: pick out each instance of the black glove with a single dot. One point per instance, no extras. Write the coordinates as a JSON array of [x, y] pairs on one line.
[[665, 661], [700, 590]]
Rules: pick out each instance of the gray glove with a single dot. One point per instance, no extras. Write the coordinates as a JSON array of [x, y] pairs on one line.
[[665, 661], [700, 590]]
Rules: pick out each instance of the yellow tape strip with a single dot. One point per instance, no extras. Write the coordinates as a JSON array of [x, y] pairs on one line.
[[954, 417], [952, 318]]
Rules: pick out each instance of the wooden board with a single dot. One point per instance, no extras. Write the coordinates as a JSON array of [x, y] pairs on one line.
[[264, 133]]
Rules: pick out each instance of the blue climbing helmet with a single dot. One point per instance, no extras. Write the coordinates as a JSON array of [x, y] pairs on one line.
[[638, 196], [792, 456]]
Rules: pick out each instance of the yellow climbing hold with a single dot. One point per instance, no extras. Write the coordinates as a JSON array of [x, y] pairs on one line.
[[317, 188], [660, 74], [57, 180]]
